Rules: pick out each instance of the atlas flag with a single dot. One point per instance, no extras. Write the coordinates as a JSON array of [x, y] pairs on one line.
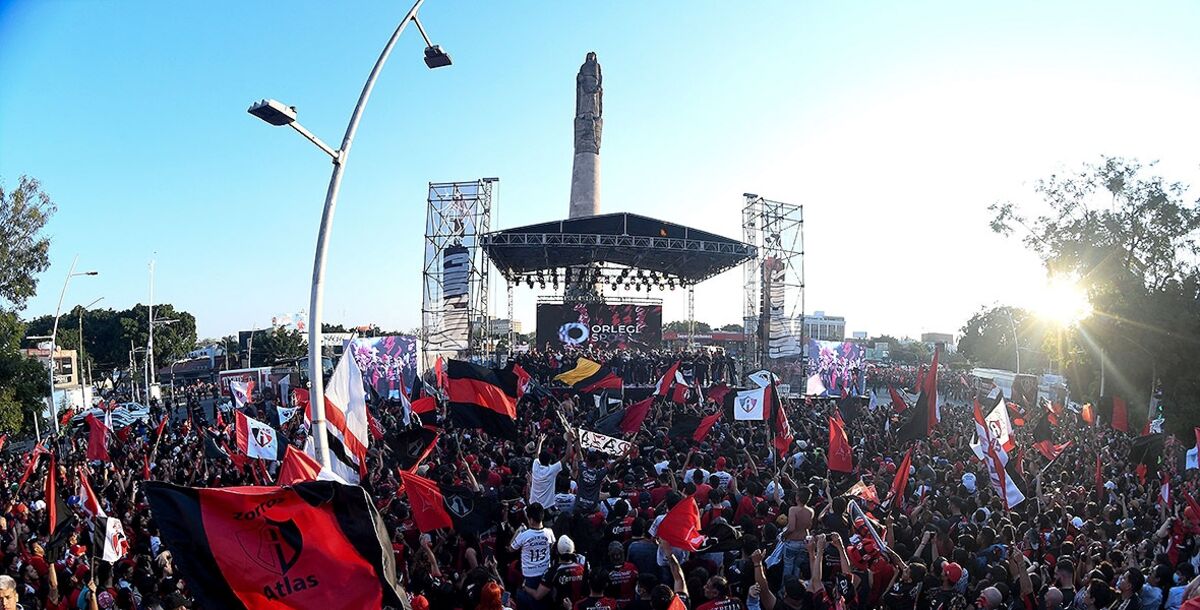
[[97, 445], [483, 398], [780, 425], [667, 381], [1001, 470], [1043, 442], [241, 391], [925, 413], [865, 492], [413, 445], [256, 439], [88, 502], [52, 496], [1193, 454], [427, 503], [841, 458], [762, 378], [286, 414], [35, 454], [316, 545], [680, 527], [347, 435], [115, 544], [899, 405], [1000, 426], [749, 405], [590, 376]]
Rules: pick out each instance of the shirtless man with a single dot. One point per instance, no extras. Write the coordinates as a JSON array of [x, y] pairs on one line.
[[800, 518]]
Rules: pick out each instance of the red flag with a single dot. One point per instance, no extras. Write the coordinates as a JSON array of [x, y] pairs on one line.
[[1056, 410], [901, 481], [706, 424], [300, 395], [97, 448], [920, 380], [161, 424], [220, 420], [931, 387], [316, 545], [1164, 493], [423, 405], [428, 504], [898, 403], [124, 433], [1088, 414], [718, 392], [523, 379], [297, 467], [679, 394], [631, 422], [52, 496], [146, 467], [88, 502], [374, 427], [680, 528], [779, 421], [1099, 477], [34, 455], [841, 458], [1050, 450], [1120, 418], [1192, 504], [439, 373]]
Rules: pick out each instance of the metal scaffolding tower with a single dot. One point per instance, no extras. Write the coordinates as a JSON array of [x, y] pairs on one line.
[[773, 307]]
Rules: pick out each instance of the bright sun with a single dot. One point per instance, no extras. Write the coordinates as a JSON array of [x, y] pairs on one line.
[[1063, 301]]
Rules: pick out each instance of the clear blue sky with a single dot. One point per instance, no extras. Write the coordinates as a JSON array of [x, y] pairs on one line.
[[895, 124]]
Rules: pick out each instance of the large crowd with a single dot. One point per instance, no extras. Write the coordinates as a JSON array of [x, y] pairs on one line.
[[577, 529]]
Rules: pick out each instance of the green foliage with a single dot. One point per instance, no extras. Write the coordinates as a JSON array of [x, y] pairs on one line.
[[108, 334], [276, 345], [24, 251], [1131, 238], [731, 328], [681, 326], [12, 411], [988, 339]]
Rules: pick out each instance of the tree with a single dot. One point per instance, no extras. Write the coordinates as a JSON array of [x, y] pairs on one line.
[[108, 334], [681, 326], [276, 345], [24, 250], [988, 339], [731, 328], [1131, 238]]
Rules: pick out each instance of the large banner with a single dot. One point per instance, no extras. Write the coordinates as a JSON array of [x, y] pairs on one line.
[[841, 367], [388, 364], [599, 325]]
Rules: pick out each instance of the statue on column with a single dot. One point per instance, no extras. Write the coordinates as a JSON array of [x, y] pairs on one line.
[[589, 106]]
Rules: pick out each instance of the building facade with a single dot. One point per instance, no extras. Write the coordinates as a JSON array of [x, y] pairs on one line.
[[824, 327]]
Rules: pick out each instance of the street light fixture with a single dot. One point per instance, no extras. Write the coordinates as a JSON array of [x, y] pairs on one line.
[[53, 338], [279, 114]]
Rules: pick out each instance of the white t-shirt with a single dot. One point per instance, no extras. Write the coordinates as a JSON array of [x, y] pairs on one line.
[[535, 550], [541, 487], [687, 476], [565, 503]]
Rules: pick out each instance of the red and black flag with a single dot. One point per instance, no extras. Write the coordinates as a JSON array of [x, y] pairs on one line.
[[315, 545], [35, 454], [1042, 440], [483, 398], [413, 445], [590, 377], [925, 413], [899, 405], [635, 414], [435, 507], [97, 445], [896, 494], [667, 382], [297, 467], [426, 501]]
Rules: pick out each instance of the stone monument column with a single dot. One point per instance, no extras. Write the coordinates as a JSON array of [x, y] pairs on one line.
[[589, 109]]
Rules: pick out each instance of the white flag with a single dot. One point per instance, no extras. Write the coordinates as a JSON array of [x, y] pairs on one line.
[[748, 405], [815, 387], [256, 439], [1000, 426], [240, 390], [116, 545], [874, 402], [286, 413], [346, 420], [763, 378], [1193, 458]]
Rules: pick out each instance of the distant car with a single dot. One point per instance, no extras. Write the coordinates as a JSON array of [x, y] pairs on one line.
[[124, 414]]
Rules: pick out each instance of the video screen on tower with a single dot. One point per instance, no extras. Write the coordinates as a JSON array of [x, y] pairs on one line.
[[599, 325]]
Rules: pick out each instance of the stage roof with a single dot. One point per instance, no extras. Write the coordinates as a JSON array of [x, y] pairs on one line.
[[623, 239]]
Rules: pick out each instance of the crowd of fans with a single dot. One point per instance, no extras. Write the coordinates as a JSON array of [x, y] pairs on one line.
[[577, 530]]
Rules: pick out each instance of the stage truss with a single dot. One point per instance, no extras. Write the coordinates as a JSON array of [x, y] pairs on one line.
[[773, 308], [454, 294]]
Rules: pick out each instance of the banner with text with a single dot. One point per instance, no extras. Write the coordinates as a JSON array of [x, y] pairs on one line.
[[599, 325]]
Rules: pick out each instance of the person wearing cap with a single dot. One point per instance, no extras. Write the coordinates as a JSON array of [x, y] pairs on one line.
[[947, 596], [622, 574]]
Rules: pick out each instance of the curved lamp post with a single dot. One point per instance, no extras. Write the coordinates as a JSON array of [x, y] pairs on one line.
[[278, 114]]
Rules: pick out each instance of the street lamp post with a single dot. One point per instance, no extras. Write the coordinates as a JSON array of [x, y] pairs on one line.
[[79, 373], [279, 114], [54, 336]]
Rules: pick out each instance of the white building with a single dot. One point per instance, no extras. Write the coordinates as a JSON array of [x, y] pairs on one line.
[[824, 327]]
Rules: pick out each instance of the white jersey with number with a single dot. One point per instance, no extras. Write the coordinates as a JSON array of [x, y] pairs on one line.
[[535, 550]]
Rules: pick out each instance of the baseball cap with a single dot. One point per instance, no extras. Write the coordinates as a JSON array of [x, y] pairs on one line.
[[565, 545], [953, 571]]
